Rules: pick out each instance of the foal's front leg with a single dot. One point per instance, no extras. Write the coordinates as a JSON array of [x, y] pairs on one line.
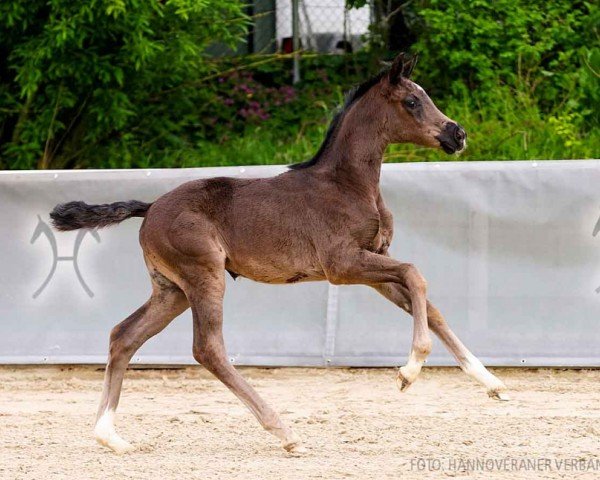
[[468, 362], [373, 269]]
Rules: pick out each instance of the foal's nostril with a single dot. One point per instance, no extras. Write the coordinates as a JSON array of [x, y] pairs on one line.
[[459, 133], [452, 138]]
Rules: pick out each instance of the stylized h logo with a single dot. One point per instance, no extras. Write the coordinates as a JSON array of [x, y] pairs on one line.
[[43, 228]]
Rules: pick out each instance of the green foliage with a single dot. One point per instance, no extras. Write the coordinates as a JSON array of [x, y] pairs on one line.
[[127, 83], [244, 98], [518, 135], [90, 83], [503, 124], [541, 52]]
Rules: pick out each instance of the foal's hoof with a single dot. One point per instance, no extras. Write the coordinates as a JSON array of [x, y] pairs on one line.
[[116, 444], [498, 394], [402, 382], [105, 434], [295, 448], [292, 444]]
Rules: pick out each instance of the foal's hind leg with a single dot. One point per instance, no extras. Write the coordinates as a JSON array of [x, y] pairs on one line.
[[167, 302], [468, 362], [206, 299]]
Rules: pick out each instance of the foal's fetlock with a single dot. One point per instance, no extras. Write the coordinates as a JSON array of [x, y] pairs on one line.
[[106, 435], [409, 372], [113, 441], [423, 349]]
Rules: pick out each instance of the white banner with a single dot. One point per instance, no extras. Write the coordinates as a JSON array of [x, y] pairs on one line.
[[511, 252]]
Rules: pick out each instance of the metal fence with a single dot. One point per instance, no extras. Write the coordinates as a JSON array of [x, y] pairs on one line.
[[294, 26], [323, 26], [511, 251]]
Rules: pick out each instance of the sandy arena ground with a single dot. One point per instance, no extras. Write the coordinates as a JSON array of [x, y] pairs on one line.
[[354, 422]]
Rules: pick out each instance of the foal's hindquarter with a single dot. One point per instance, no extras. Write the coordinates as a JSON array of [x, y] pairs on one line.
[[327, 221]]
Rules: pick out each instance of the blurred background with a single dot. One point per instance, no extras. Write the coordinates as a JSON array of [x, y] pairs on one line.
[[186, 83]]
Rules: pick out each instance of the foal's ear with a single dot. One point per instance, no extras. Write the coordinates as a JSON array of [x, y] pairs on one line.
[[409, 66], [402, 67]]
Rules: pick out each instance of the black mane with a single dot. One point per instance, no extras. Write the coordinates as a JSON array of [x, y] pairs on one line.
[[352, 96]]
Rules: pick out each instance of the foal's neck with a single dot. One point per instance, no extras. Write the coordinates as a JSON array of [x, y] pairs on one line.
[[356, 152]]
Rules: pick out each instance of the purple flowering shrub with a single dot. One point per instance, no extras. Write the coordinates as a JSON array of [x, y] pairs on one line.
[[247, 101], [241, 101]]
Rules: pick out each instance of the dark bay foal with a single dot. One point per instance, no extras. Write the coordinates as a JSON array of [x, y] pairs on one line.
[[323, 219]]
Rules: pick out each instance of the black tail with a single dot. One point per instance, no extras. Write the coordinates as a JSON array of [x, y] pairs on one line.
[[75, 215]]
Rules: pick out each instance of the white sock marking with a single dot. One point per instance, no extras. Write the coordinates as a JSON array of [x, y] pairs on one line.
[[475, 369], [105, 433]]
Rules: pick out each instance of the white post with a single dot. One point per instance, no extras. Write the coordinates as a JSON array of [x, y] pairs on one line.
[[296, 40]]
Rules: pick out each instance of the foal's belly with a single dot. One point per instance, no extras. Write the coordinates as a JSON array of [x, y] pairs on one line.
[[268, 270]]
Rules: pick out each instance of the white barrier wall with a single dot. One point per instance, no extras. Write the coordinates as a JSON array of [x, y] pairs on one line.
[[511, 252]]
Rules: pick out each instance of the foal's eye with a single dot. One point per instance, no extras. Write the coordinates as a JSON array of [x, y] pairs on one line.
[[410, 103]]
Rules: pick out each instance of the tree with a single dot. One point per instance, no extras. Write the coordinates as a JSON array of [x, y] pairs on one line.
[[104, 79]]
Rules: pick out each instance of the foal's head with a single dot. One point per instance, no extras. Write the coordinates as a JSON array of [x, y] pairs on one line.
[[412, 116]]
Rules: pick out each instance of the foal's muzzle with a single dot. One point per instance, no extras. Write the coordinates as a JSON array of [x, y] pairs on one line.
[[453, 138]]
